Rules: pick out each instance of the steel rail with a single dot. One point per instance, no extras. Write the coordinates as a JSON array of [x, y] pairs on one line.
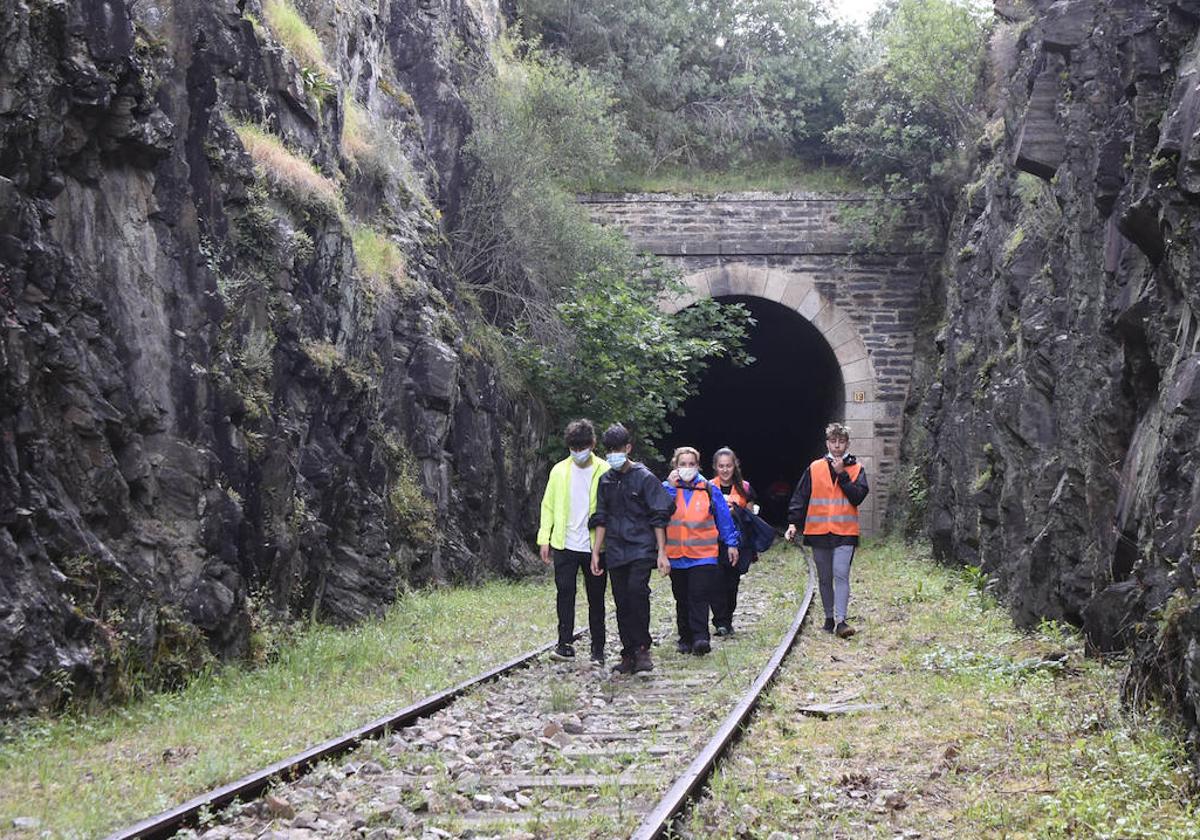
[[250, 786], [671, 806]]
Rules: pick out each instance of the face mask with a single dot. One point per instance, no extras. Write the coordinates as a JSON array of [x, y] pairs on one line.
[[581, 457], [616, 460], [687, 474]]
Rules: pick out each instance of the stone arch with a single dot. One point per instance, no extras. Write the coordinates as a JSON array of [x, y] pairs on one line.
[[797, 291]]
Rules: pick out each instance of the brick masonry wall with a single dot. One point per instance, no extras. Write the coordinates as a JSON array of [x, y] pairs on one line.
[[796, 249]]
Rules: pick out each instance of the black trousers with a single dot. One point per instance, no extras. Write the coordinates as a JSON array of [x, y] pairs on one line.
[[725, 599], [693, 589], [631, 592], [567, 566]]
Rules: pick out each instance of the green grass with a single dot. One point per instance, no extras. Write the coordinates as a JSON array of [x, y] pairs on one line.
[[293, 175], [82, 776], [985, 731], [293, 31], [381, 262], [776, 176]]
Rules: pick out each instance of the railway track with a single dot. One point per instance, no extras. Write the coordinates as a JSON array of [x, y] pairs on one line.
[[532, 748]]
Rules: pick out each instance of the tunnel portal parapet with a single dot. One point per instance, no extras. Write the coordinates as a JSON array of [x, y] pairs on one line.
[[804, 251]]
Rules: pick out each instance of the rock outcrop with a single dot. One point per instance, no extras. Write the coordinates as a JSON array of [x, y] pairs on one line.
[[236, 380], [1058, 436]]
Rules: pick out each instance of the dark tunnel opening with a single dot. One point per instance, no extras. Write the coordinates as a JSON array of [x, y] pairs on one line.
[[772, 412]]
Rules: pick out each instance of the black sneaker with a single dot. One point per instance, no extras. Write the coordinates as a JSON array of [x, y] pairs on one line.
[[829, 625], [701, 647], [683, 647], [642, 661], [724, 630], [844, 630], [597, 656], [563, 653], [625, 666]]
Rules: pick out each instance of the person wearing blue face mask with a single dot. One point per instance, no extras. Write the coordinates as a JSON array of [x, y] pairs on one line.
[[632, 512], [564, 538]]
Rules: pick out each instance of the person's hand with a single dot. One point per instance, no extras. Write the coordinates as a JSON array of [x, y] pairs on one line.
[[790, 533], [839, 465], [664, 563], [545, 550], [596, 570], [733, 555], [673, 478]]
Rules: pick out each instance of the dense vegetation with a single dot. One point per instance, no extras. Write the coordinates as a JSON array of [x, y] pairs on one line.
[[585, 94], [578, 309]]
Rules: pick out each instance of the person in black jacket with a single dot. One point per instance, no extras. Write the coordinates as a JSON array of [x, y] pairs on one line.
[[825, 504], [632, 512]]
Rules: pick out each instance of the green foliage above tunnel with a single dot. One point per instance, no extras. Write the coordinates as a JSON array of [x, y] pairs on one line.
[[578, 308], [709, 83]]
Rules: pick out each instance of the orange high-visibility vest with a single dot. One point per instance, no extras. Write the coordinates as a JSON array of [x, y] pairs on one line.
[[829, 511], [693, 531], [736, 495]]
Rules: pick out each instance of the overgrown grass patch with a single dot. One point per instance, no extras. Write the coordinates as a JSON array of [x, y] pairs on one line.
[[764, 176], [294, 176], [82, 776], [293, 31], [381, 262], [983, 730]]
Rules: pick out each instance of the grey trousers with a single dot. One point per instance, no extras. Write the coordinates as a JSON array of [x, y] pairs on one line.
[[833, 578]]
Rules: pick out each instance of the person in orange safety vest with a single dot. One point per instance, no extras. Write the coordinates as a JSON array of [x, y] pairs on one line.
[[825, 504], [699, 524]]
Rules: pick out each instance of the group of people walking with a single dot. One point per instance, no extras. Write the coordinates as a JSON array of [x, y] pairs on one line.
[[613, 521]]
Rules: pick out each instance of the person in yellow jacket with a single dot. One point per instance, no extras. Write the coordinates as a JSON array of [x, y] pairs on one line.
[[564, 539]]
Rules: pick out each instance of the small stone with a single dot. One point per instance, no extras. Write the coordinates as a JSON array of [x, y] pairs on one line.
[[507, 804], [523, 800], [780, 835], [305, 819], [371, 768], [26, 823], [279, 807], [551, 729], [483, 800]]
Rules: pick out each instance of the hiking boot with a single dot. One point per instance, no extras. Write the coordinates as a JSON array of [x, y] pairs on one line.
[[625, 666], [829, 624], [597, 656], [683, 647], [642, 661], [563, 653], [844, 630], [701, 647], [725, 630]]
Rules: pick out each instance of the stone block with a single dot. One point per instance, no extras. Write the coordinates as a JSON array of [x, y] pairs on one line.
[[860, 429], [828, 319], [842, 332], [855, 371], [850, 351], [775, 286], [1040, 141], [1067, 24]]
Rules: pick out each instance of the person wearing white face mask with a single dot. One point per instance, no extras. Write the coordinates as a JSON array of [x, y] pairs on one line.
[[564, 538], [701, 522]]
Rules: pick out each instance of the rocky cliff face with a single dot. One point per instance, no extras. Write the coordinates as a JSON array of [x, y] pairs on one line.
[[236, 380], [1059, 435]]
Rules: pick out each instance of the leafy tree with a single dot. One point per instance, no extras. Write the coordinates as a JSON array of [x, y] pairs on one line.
[[709, 82], [910, 113], [631, 362], [578, 307]]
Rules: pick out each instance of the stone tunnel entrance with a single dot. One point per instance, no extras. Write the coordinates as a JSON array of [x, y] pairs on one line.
[[772, 412]]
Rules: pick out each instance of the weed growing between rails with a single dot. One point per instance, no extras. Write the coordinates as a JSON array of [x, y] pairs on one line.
[[983, 731], [82, 776]]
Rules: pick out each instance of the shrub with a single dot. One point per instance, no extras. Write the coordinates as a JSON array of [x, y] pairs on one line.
[[293, 176]]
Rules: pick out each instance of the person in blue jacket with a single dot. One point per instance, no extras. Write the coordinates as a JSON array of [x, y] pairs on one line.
[[699, 524]]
